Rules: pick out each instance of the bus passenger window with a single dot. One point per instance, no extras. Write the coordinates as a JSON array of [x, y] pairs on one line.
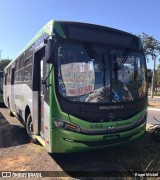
[[5, 79], [28, 73]]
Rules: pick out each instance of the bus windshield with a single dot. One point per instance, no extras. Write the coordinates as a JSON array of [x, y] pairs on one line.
[[98, 74]]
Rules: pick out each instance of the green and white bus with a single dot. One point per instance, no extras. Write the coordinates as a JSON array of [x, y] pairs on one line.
[[79, 86]]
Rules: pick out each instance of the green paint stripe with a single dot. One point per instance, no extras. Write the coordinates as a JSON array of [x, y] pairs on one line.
[[59, 29]]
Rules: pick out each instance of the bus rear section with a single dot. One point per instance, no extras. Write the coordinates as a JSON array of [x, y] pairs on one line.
[[84, 87]]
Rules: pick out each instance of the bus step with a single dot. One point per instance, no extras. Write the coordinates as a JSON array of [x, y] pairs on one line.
[[39, 139]]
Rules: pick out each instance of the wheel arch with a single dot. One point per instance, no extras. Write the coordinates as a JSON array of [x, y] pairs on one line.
[[8, 102], [27, 112]]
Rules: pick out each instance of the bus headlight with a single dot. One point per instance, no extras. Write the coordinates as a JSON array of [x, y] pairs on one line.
[[66, 125]]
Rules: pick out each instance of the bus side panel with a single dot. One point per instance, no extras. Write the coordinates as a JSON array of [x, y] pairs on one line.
[[35, 111], [4, 94], [7, 94], [23, 99], [12, 99], [5, 88]]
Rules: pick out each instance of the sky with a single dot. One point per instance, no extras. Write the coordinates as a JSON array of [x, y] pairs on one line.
[[20, 20]]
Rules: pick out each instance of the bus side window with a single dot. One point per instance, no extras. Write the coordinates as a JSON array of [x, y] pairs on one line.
[[5, 79], [28, 69], [21, 71], [29, 52], [13, 75], [8, 76], [28, 61], [21, 62], [16, 72]]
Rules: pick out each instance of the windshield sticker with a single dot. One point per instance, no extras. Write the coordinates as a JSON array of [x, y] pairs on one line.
[[117, 96], [78, 78]]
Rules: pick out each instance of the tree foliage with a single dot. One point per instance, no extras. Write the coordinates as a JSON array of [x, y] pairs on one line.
[[151, 46], [151, 49], [149, 75], [158, 73], [4, 63]]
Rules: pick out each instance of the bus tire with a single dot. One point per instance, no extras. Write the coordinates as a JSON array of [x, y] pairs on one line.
[[11, 114], [29, 128]]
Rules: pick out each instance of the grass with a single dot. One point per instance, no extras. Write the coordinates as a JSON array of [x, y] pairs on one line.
[[155, 94], [143, 155]]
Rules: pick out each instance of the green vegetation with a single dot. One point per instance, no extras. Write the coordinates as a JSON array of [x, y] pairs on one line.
[[158, 74], [155, 94], [151, 49], [149, 76], [142, 155], [4, 63]]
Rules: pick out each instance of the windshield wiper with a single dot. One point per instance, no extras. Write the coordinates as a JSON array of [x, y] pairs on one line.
[[117, 66], [90, 51], [93, 55], [126, 54]]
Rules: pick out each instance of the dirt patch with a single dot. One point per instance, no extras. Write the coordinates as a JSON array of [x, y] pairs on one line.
[[26, 157], [154, 104], [17, 153], [11, 135], [11, 163]]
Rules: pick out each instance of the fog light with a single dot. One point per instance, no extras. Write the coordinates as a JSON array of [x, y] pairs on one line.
[[70, 140], [58, 123]]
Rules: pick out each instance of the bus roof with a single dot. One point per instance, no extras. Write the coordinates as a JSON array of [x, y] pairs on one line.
[[47, 29], [57, 26]]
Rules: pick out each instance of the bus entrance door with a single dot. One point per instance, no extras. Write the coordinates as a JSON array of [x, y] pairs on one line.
[[12, 100], [41, 99]]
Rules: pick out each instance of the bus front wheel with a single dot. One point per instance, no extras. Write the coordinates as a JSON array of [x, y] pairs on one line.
[[29, 128]]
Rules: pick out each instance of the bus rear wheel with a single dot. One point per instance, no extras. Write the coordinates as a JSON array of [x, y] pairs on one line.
[[29, 128]]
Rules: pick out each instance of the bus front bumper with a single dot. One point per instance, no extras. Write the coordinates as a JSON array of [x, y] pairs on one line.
[[67, 141]]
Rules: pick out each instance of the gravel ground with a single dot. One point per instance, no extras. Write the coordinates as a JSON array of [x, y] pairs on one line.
[[17, 153]]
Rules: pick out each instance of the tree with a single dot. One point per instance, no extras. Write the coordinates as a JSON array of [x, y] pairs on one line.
[[151, 49], [149, 76], [158, 73], [4, 63]]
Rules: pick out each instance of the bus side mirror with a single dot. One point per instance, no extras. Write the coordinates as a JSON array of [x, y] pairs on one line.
[[49, 50]]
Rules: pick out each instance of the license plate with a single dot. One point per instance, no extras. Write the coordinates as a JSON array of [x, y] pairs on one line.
[[111, 136]]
